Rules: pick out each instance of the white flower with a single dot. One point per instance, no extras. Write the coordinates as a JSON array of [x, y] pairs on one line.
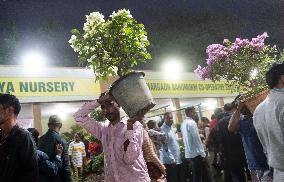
[[73, 43], [92, 58], [90, 67], [105, 55], [92, 20], [121, 12], [73, 39], [113, 14], [85, 36], [86, 48], [95, 17], [114, 68], [143, 37]]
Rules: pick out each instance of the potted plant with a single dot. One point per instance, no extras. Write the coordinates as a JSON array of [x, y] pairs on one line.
[[113, 47], [243, 64]]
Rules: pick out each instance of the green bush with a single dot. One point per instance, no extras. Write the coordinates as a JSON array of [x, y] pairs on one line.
[[112, 46]]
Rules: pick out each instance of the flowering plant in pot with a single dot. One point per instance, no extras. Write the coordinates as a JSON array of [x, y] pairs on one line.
[[243, 63], [113, 47]]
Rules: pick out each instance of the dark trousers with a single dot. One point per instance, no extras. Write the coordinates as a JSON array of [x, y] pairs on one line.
[[227, 172], [200, 171], [238, 173], [175, 173], [234, 171]]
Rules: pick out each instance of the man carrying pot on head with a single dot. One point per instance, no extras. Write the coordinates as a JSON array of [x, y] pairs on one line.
[[122, 140], [241, 122], [268, 120]]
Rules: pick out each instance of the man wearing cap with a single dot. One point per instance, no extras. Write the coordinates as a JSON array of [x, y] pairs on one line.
[[47, 144]]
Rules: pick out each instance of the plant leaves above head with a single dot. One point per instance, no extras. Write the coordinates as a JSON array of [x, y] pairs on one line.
[[111, 47], [242, 63]]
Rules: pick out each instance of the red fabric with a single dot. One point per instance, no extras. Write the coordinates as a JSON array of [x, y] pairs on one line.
[[212, 124], [94, 148]]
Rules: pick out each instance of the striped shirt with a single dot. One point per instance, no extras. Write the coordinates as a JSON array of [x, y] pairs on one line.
[[149, 152], [77, 151]]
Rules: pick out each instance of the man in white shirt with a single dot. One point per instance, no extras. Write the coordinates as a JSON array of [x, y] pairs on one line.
[[269, 120], [193, 146]]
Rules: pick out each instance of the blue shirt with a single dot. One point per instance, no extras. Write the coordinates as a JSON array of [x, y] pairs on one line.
[[46, 166], [173, 153], [253, 149], [192, 143]]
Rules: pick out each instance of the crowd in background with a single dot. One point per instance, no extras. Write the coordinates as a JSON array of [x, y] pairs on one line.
[[235, 146]]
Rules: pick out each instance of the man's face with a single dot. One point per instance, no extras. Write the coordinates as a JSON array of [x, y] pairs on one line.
[[77, 137], [110, 110], [193, 114], [169, 119], [4, 115]]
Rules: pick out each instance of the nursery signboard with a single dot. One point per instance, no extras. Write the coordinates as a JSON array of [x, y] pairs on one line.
[[30, 87], [53, 84], [189, 87]]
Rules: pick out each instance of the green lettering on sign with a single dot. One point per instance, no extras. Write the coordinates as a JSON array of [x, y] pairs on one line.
[[10, 87], [57, 86], [2, 84], [33, 86], [49, 86], [64, 86], [41, 87], [24, 87]]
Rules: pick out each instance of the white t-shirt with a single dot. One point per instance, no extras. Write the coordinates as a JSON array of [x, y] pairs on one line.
[[77, 151]]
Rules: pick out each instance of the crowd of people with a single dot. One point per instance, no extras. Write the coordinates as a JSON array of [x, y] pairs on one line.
[[235, 146]]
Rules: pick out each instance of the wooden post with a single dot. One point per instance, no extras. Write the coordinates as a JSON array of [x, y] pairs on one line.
[[220, 102], [37, 117], [176, 104]]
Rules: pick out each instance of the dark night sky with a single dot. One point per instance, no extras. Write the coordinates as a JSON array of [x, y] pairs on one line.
[[176, 28]]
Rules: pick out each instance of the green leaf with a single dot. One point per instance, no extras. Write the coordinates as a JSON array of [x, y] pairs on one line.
[[75, 31], [116, 42]]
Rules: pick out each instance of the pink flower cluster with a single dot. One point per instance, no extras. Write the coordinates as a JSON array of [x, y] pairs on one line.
[[203, 72], [217, 52]]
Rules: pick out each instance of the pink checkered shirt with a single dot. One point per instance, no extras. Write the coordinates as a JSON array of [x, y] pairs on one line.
[[120, 165]]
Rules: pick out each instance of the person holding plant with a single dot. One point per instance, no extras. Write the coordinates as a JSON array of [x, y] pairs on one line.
[[122, 140], [77, 155], [268, 120], [231, 147], [241, 122]]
